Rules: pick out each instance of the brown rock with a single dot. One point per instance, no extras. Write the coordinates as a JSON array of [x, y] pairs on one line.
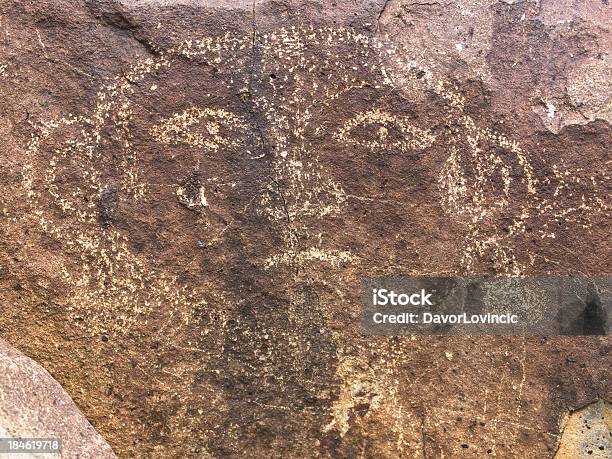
[[193, 191]]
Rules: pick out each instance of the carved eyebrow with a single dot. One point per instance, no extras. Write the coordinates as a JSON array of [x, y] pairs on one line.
[[412, 138], [207, 127]]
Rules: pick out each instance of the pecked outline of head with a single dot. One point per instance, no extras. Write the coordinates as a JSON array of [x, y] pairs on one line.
[[113, 105], [270, 78]]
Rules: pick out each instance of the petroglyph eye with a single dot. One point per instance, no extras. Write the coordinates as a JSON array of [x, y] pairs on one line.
[[377, 130], [209, 128]]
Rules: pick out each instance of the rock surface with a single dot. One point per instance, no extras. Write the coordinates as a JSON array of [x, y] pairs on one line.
[[192, 191], [34, 405], [586, 432]]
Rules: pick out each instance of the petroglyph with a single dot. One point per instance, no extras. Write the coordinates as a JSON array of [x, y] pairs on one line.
[[220, 129], [191, 244], [84, 168], [360, 390], [408, 137]]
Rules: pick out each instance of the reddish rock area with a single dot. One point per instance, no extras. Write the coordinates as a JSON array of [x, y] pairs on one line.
[[191, 193]]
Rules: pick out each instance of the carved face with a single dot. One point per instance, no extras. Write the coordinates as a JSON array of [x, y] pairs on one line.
[[305, 146], [215, 209]]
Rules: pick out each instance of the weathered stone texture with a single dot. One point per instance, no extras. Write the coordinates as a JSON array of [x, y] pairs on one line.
[[191, 193], [34, 405]]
